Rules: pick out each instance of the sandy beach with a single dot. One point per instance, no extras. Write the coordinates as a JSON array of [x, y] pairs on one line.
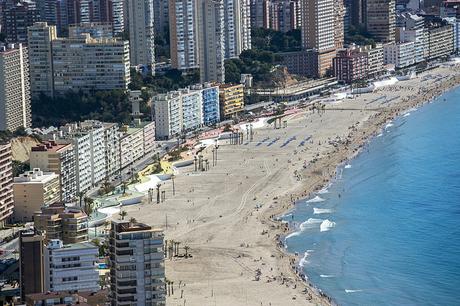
[[226, 217]]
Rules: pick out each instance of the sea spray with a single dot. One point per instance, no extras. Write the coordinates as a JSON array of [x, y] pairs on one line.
[[316, 199], [318, 211], [326, 225]]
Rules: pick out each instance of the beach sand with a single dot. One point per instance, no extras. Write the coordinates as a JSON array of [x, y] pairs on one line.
[[225, 215]]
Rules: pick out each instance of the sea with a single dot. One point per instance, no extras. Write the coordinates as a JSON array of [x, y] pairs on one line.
[[387, 229]]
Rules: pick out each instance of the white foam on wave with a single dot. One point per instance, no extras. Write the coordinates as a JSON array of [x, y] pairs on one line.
[[353, 290], [310, 223], [347, 166], [326, 276], [318, 211], [316, 199], [406, 115], [380, 135], [293, 234], [389, 125], [323, 191], [326, 225], [304, 261]]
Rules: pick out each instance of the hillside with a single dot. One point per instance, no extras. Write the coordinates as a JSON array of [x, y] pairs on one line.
[[21, 146]]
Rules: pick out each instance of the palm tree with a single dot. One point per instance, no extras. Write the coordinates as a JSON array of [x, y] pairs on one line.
[[124, 184], [81, 194], [132, 220], [88, 205], [123, 214], [158, 193], [173, 186]]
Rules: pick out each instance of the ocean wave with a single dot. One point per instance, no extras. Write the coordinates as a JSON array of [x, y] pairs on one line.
[[310, 223], [318, 211], [389, 125], [406, 115], [304, 261], [347, 166], [380, 135], [326, 225], [316, 199], [324, 190], [326, 276], [353, 290], [293, 234]]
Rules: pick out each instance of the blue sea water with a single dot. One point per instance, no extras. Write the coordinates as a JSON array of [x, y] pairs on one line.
[[393, 230]]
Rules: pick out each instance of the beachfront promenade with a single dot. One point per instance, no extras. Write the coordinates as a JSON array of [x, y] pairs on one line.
[[223, 215]]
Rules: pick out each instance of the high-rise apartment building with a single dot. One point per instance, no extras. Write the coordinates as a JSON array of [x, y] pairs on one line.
[[211, 40], [88, 143], [283, 15], [69, 224], [54, 12], [31, 262], [32, 190], [40, 36], [183, 34], [141, 33], [237, 27], [410, 27], [161, 13], [6, 185], [339, 23], [78, 62], [14, 87], [118, 16], [260, 12], [381, 19], [60, 159], [16, 16], [137, 274], [71, 267], [318, 34]]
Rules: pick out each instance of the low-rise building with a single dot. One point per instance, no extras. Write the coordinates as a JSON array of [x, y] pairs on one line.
[[350, 65], [186, 110], [60, 159], [231, 99], [32, 190], [137, 272], [69, 224], [54, 299], [400, 54], [71, 267]]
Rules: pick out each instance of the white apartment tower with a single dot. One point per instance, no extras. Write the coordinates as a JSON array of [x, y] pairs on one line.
[[237, 27], [14, 87], [141, 33], [183, 34], [211, 40], [40, 36], [137, 272], [71, 267], [318, 32]]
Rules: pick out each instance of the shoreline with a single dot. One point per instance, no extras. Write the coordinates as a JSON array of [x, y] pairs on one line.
[[337, 159]]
